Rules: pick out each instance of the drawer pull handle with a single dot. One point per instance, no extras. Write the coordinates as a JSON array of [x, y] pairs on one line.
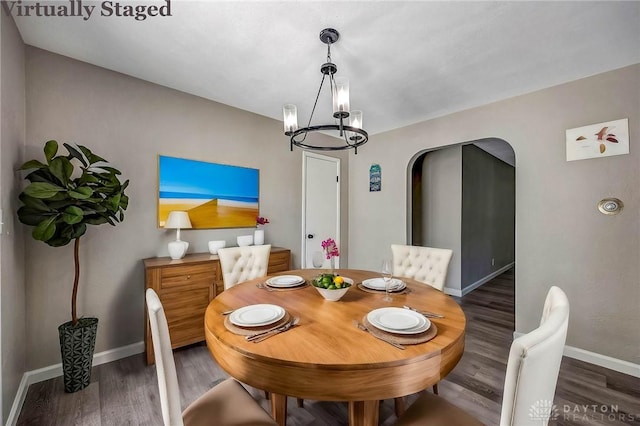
[[188, 277]]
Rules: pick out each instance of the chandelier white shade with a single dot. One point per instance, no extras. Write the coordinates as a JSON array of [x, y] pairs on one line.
[[355, 119], [347, 123], [341, 96], [290, 113]]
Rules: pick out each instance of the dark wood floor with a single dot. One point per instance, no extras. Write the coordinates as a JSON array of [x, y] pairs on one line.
[[125, 392]]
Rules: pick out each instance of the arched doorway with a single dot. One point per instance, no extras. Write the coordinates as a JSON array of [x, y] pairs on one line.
[[462, 197]]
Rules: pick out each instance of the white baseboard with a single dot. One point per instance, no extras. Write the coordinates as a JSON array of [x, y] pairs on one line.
[[21, 394], [459, 293], [46, 373], [452, 291], [605, 361]]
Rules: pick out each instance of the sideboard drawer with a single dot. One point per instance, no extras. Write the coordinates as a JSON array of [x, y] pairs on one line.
[[183, 304], [184, 275]]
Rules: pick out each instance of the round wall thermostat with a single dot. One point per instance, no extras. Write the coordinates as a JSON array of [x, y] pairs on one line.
[[610, 206]]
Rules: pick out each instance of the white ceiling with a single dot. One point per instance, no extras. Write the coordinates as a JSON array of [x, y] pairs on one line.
[[406, 61]]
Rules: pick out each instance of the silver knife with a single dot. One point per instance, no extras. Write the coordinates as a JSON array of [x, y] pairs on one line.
[[274, 332], [425, 313]]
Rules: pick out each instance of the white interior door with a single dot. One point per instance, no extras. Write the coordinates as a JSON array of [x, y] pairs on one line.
[[320, 204]]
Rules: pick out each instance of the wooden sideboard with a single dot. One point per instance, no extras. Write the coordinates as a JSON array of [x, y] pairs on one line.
[[186, 286]]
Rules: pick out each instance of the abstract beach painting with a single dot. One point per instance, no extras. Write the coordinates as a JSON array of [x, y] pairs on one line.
[[598, 140], [214, 195]]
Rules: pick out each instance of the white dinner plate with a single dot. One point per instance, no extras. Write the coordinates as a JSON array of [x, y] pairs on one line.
[[283, 281], [378, 284], [398, 320], [256, 315]]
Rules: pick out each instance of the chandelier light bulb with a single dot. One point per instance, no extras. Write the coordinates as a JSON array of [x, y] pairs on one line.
[[355, 119], [290, 113], [341, 96]]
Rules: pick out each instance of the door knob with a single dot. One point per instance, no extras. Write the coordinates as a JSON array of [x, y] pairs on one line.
[[310, 236]]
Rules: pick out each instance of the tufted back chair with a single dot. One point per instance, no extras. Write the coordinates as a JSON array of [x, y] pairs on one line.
[[240, 264], [426, 264], [525, 385]]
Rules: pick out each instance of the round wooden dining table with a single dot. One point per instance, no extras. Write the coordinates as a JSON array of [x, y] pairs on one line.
[[326, 357]]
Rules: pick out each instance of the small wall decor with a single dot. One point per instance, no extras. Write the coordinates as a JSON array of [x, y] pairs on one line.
[[375, 178], [214, 195], [598, 140]]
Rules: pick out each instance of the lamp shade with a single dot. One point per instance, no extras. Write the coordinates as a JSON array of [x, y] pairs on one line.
[[178, 220]]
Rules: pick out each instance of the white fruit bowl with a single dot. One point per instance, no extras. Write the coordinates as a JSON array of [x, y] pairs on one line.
[[332, 295]]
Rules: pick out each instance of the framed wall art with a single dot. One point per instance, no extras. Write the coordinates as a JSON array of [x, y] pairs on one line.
[[598, 140], [375, 178], [214, 195]]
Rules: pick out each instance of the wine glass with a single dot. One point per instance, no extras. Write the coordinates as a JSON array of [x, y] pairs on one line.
[[317, 259], [387, 274]]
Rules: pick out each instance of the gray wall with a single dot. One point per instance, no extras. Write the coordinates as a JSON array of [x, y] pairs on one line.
[[488, 214], [129, 122], [12, 137], [561, 238], [441, 204]]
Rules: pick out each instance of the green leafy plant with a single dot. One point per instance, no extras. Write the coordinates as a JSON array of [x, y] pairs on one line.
[[61, 200]]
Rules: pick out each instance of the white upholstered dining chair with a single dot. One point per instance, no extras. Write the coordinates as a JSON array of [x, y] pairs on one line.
[[425, 264], [240, 264], [530, 382], [226, 404]]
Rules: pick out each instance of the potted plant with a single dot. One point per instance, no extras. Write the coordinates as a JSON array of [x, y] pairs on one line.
[[59, 202]]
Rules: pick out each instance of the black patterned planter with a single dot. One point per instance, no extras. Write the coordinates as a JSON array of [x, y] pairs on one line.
[[76, 345]]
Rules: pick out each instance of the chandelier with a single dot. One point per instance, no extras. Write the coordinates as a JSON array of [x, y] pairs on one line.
[[347, 123]]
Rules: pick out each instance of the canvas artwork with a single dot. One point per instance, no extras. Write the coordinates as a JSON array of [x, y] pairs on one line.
[[598, 140], [214, 195]]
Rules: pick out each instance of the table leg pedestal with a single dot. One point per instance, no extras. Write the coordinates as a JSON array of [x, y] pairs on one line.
[[279, 408], [399, 406], [363, 413]]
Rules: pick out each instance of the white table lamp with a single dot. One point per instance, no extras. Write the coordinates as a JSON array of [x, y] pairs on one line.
[[178, 220]]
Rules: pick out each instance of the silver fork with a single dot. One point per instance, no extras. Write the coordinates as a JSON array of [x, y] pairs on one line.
[[364, 328], [264, 286], [259, 337], [261, 333]]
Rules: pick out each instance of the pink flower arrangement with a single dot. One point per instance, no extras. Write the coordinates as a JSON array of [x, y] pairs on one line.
[[261, 220], [330, 248]]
